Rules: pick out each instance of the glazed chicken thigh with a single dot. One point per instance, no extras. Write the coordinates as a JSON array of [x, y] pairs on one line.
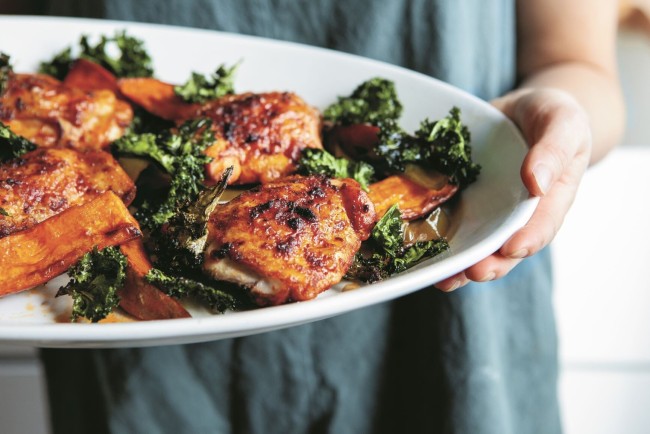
[[289, 240], [49, 113], [46, 182], [260, 135]]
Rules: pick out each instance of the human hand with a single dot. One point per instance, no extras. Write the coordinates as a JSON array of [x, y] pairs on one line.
[[558, 132]]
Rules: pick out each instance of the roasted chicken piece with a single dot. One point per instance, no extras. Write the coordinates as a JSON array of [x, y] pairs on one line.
[[45, 182], [49, 113], [261, 135], [289, 240]]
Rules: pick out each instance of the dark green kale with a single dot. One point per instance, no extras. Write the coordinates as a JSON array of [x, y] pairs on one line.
[[442, 145], [146, 122], [179, 245], [4, 212], [390, 255], [6, 71], [179, 287], [199, 88], [320, 162], [181, 155], [388, 233], [372, 102], [12, 145], [94, 282], [59, 66], [132, 59], [446, 146]]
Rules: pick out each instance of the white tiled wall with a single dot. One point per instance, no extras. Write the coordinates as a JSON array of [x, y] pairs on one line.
[[602, 260]]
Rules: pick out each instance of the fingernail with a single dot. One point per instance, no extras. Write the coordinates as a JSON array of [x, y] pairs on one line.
[[454, 286], [490, 276], [543, 177], [519, 254]]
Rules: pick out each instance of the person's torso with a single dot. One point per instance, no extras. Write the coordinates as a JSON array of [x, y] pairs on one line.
[[468, 43]]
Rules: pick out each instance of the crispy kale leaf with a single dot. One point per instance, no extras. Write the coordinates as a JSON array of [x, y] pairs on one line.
[[372, 102], [442, 145], [12, 145], [132, 60], [146, 122], [199, 88], [6, 71], [179, 248], [94, 283], [446, 146], [181, 155], [4, 212], [390, 255], [177, 286], [321, 162], [59, 65], [180, 244]]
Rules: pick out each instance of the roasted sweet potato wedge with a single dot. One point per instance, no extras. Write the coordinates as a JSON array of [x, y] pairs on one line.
[[138, 297], [48, 249], [156, 97], [87, 75], [413, 199]]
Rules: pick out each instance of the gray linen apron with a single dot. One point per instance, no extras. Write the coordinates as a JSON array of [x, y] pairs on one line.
[[480, 360]]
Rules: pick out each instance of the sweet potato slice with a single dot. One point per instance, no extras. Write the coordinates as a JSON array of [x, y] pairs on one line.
[[87, 75], [413, 199], [138, 297], [46, 250], [156, 97]]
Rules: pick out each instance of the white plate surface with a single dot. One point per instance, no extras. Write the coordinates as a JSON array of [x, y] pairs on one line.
[[490, 210]]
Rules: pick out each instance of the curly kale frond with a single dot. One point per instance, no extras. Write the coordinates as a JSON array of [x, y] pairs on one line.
[[178, 287], [320, 162], [372, 102], [6, 71], [146, 122], [446, 146], [199, 88], [180, 246], [12, 145], [388, 233], [181, 155], [442, 145], [132, 59], [94, 283], [390, 255], [59, 65]]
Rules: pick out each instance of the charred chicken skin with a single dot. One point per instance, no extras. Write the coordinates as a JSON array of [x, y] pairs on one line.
[[50, 114], [46, 182], [261, 135], [289, 240]]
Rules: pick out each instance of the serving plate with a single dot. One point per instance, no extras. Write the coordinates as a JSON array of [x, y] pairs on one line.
[[489, 211]]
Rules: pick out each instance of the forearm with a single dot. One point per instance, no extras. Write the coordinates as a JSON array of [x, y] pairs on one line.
[[597, 91]]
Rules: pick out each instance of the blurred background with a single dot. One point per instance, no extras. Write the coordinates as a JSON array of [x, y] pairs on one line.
[[602, 290]]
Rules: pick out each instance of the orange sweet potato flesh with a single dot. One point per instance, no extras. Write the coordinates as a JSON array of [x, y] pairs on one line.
[[46, 250], [138, 297], [87, 75], [156, 97], [413, 199]]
